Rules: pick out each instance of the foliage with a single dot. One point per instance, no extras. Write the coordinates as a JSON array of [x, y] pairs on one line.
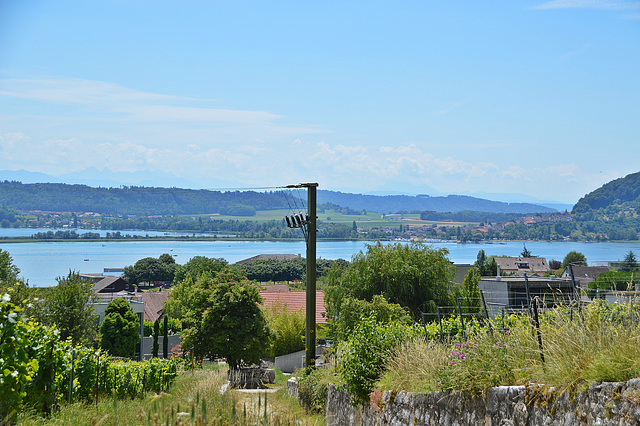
[[287, 328], [165, 338], [264, 270], [156, 334], [574, 258], [615, 281], [17, 368], [224, 320], [629, 263], [362, 358], [525, 252], [8, 271], [187, 294], [470, 300], [415, 276], [598, 345], [626, 189], [119, 331], [151, 270], [68, 308], [313, 385], [197, 266], [352, 310], [486, 266]]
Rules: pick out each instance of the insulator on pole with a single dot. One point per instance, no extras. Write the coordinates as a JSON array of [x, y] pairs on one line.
[[306, 219], [298, 220], [288, 221]]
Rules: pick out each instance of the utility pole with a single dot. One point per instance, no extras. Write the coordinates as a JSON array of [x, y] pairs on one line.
[[310, 223]]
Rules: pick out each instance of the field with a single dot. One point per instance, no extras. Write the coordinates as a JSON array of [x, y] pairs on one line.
[[370, 219]]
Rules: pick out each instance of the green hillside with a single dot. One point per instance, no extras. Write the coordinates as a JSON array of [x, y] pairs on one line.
[[623, 192]]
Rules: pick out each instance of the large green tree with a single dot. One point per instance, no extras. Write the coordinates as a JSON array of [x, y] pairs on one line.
[[416, 276], [119, 331], [68, 308], [183, 296], [225, 320], [150, 270], [198, 265], [574, 258]]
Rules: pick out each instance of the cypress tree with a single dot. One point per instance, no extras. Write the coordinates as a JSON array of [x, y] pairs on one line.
[[165, 340]]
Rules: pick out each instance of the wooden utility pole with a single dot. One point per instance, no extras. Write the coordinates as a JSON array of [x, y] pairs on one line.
[[310, 223]]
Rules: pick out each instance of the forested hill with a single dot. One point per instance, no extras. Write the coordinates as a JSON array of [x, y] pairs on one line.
[[621, 193], [450, 203], [136, 200], [60, 197]]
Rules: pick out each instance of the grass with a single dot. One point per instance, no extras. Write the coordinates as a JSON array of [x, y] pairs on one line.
[[193, 399], [602, 344]]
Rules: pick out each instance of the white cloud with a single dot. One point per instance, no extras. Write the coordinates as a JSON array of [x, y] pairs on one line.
[[334, 166], [124, 102]]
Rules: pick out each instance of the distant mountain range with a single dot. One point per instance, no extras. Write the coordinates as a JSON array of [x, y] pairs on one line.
[[450, 203], [166, 201]]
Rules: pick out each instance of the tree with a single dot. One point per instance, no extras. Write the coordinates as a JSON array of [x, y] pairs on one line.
[[8, 271], [68, 307], [165, 337], [415, 276], [225, 320], [629, 263], [486, 266], [471, 300], [574, 258], [150, 270], [184, 295], [525, 251], [198, 265], [156, 333], [119, 331]]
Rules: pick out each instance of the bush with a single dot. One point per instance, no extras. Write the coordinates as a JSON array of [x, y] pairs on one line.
[[119, 329], [362, 358], [352, 310], [313, 387], [287, 328]]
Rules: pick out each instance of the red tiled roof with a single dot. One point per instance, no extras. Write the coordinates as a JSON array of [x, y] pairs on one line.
[[296, 300]]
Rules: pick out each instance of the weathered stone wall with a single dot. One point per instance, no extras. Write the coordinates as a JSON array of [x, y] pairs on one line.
[[535, 405]]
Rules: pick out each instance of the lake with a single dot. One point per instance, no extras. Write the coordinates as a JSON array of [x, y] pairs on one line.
[[40, 263]]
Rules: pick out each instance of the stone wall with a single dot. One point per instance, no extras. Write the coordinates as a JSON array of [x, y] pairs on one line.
[[535, 405]]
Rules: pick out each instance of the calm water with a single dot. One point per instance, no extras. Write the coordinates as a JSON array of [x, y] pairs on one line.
[[41, 263]]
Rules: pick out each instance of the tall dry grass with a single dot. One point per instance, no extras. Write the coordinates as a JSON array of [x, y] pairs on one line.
[[601, 343]]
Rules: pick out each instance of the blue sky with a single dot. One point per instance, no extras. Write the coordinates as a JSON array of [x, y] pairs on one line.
[[457, 97]]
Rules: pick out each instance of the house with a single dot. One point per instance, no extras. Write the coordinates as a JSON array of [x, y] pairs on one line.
[[585, 274], [269, 257], [154, 304], [509, 293], [109, 284], [522, 265], [295, 301]]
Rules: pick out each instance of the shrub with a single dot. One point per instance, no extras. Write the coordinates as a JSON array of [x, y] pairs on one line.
[[362, 358], [119, 329], [353, 309], [287, 328]]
